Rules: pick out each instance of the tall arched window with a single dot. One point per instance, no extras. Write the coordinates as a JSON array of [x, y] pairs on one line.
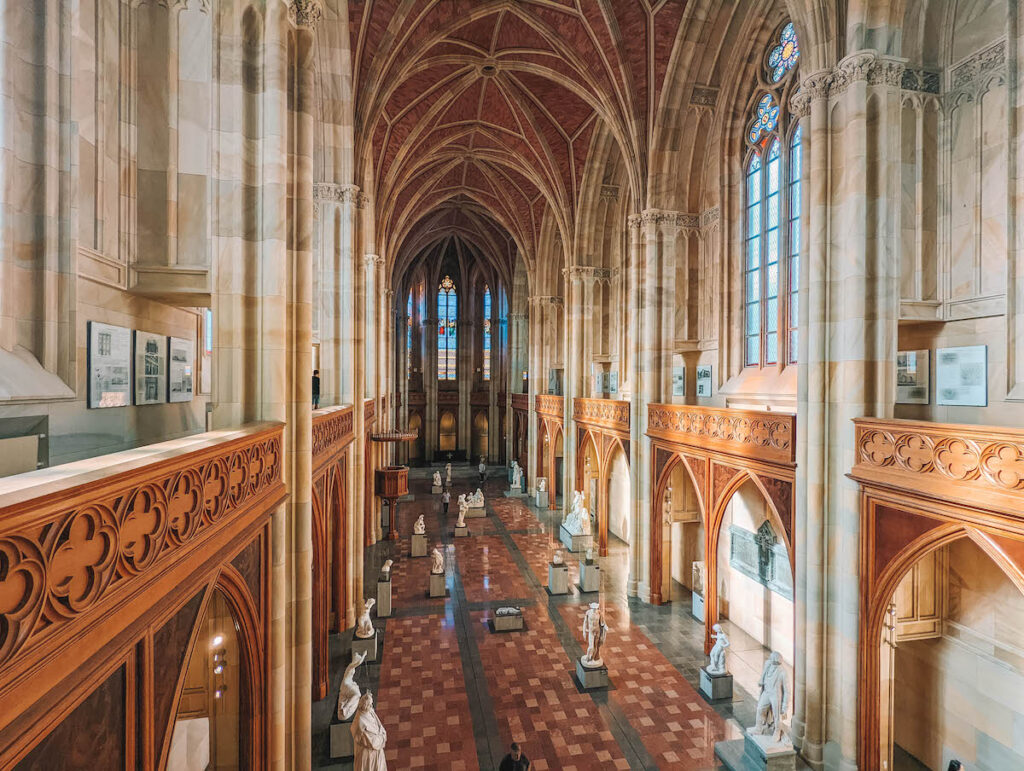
[[771, 223], [487, 332], [447, 321], [408, 337]]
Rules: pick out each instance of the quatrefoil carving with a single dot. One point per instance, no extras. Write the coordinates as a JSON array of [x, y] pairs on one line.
[[22, 584], [143, 526], [82, 559], [1004, 465]]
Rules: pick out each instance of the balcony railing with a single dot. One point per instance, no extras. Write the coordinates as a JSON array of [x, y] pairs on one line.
[[609, 414], [332, 429], [521, 402], [768, 436], [550, 405]]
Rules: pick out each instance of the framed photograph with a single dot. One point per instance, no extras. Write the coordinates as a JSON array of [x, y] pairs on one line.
[[961, 376], [705, 387], [912, 377], [150, 368], [109, 359], [612, 380], [678, 375], [180, 367]]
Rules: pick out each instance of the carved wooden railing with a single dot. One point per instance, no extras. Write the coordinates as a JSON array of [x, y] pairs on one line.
[[980, 466], [369, 410], [767, 436], [332, 430], [521, 402], [608, 414], [551, 406], [85, 546]]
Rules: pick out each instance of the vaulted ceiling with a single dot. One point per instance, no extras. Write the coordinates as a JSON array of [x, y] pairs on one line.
[[490, 106]]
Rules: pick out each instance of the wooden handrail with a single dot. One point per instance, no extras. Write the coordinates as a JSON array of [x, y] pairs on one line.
[[768, 436]]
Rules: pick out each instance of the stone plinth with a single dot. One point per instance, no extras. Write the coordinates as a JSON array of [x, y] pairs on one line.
[[436, 489], [697, 607], [715, 687], [476, 513], [574, 542], [476, 505], [367, 645], [558, 578], [461, 532], [341, 738], [437, 585], [590, 577], [757, 753], [591, 678], [383, 597], [508, 623], [541, 499], [419, 545]]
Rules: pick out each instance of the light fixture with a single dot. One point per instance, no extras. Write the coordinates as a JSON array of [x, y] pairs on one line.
[[221, 690], [219, 668], [217, 640]]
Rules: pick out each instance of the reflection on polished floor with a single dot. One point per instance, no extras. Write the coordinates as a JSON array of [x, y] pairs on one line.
[[453, 695]]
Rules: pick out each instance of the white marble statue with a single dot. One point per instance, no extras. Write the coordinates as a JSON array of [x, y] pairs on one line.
[[476, 500], [666, 508], [542, 485], [463, 505], [438, 565], [773, 700], [577, 521], [508, 611], [461, 521], [385, 569], [557, 559], [437, 479], [517, 476], [590, 554], [716, 665], [364, 627], [594, 632], [448, 473], [419, 526], [697, 578], [368, 737], [348, 696]]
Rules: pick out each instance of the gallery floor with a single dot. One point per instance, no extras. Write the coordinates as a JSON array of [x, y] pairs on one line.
[[453, 695]]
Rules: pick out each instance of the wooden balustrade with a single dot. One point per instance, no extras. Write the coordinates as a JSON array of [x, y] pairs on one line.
[[551, 406], [607, 414], [768, 436], [333, 430], [521, 402]]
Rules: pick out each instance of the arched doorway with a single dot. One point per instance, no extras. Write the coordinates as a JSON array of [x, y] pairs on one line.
[[617, 509], [447, 432], [416, 451], [557, 471], [589, 474], [682, 538], [480, 437]]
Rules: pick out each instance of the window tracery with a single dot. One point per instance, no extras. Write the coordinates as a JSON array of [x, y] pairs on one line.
[[447, 334]]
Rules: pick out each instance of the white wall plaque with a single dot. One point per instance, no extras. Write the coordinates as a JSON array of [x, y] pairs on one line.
[[180, 369], [109, 359], [150, 368], [705, 387], [961, 376], [912, 377]]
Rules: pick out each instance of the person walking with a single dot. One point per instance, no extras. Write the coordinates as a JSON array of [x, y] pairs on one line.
[[446, 498], [515, 760], [482, 468], [316, 389]]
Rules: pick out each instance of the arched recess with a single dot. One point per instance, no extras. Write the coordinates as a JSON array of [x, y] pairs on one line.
[[240, 681], [447, 428], [338, 526], [678, 532], [556, 469], [589, 473], [543, 452], [614, 516], [321, 597], [480, 434], [416, 447], [750, 488]]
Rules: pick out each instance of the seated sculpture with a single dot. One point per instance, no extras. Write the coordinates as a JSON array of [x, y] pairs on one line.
[[476, 500], [437, 479], [348, 695], [364, 627], [577, 521], [419, 526], [437, 567]]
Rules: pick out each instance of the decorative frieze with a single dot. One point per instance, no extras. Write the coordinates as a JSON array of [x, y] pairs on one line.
[[521, 402], [332, 191], [585, 272], [550, 405], [610, 192], [768, 436], [609, 414], [545, 300], [924, 81], [305, 14], [332, 431], [660, 217], [709, 217], [976, 69], [866, 66]]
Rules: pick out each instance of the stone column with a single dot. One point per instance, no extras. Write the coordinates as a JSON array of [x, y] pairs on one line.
[[533, 438], [574, 365], [638, 420]]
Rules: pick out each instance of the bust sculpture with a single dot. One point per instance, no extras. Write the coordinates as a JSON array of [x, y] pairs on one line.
[[437, 479], [542, 485], [368, 737], [348, 695], [385, 569], [557, 559], [716, 665], [438, 561], [773, 700], [419, 526], [590, 554], [594, 632], [364, 627]]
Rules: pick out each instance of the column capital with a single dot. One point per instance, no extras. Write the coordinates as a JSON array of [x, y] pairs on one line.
[[372, 260], [545, 300], [581, 272], [332, 191], [305, 14], [664, 218]]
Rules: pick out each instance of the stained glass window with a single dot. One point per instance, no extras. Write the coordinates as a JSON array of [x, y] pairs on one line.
[[487, 332], [447, 321], [783, 57], [766, 119], [795, 151], [408, 337]]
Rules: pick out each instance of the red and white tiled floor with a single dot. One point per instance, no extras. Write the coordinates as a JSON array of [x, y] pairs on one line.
[[453, 695]]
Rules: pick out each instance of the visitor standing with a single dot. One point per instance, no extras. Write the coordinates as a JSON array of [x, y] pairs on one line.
[[446, 498], [482, 468], [316, 389], [515, 760]]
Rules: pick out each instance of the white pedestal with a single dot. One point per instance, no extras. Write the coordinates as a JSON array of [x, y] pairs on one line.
[[541, 499], [383, 598], [341, 739], [590, 577], [698, 607], [715, 687], [367, 645], [476, 512], [476, 505], [558, 578], [461, 532], [436, 489], [508, 623], [591, 677], [419, 545], [574, 542], [437, 585]]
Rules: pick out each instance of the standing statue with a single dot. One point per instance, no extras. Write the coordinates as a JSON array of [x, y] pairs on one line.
[[463, 505], [448, 474], [368, 737], [348, 695], [774, 699], [542, 484], [364, 627], [385, 569], [461, 521], [517, 476], [438, 565], [419, 526], [666, 509], [437, 479], [594, 632], [716, 666]]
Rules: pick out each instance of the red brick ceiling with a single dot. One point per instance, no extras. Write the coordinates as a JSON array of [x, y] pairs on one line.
[[496, 102]]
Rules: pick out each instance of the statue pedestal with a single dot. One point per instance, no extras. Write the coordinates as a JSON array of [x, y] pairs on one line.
[[573, 541], [383, 597], [558, 578], [367, 645], [757, 753], [437, 585], [508, 623], [715, 687], [476, 512], [590, 577], [515, 492], [461, 532], [341, 738], [419, 545], [436, 489], [591, 678], [697, 607], [541, 499], [479, 506]]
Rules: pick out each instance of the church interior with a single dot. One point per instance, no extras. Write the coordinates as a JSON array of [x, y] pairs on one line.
[[511, 384]]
